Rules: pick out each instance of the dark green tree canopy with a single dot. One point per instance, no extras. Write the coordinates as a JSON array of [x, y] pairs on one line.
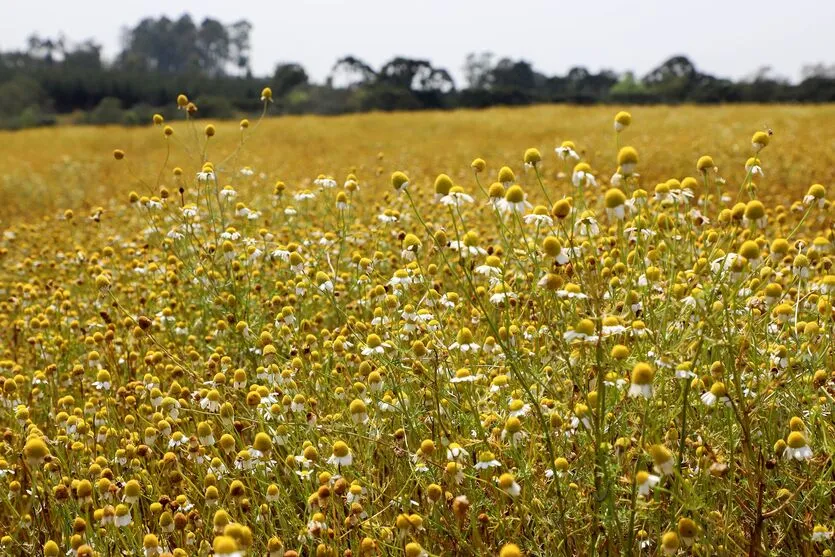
[[210, 61]]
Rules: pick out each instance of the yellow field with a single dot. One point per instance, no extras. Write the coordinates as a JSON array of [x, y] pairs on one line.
[[421, 334], [48, 170]]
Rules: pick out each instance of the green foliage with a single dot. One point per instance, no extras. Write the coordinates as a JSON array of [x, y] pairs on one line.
[[209, 61], [108, 111]]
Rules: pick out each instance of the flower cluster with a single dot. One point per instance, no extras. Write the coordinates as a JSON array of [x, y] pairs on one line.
[[543, 355]]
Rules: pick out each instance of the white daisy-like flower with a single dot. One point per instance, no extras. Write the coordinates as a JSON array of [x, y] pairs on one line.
[[754, 169], [811, 199], [572, 335], [488, 271], [566, 153], [540, 220], [518, 207], [643, 390], [456, 199], [325, 182], [280, 254], [501, 295], [723, 263], [487, 464], [207, 440], [342, 455], [797, 448], [378, 349], [205, 176], [228, 194], [616, 213], [821, 534], [584, 178], [646, 482], [761, 222], [326, 286], [508, 484], [518, 409], [717, 393], [570, 294], [456, 452], [464, 376], [465, 250], [587, 226], [304, 195], [610, 330]]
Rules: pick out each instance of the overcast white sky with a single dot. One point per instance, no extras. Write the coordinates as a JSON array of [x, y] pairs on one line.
[[728, 38]]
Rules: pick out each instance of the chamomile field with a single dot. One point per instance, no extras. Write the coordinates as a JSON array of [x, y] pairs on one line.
[[550, 330]]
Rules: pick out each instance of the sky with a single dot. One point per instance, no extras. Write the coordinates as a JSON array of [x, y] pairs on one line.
[[728, 38]]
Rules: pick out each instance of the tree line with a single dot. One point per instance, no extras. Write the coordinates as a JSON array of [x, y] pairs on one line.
[[54, 79]]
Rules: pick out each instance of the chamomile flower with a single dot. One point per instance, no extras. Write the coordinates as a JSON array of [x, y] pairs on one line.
[[582, 176], [325, 182], [760, 140], [399, 181], [646, 482], [342, 455], [816, 195], [717, 393], [122, 516], [491, 268], [796, 447], [468, 245], [507, 483], [641, 384], [615, 202], [463, 375], [627, 160], [662, 458], [587, 225], [622, 121], [456, 198], [456, 452], [752, 167], [583, 331], [486, 460], [821, 533], [515, 200], [539, 217], [374, 345], [226, 546], [566, 151]]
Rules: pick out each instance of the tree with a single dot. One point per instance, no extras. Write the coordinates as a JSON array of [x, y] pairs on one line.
[[510, 74], [212, 47], [478, 70], [350, 72], [287, 77], [414, 75], [86, 55], [672, 80], [48, 50], [239, 44], [675, 68], [180, 46]]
